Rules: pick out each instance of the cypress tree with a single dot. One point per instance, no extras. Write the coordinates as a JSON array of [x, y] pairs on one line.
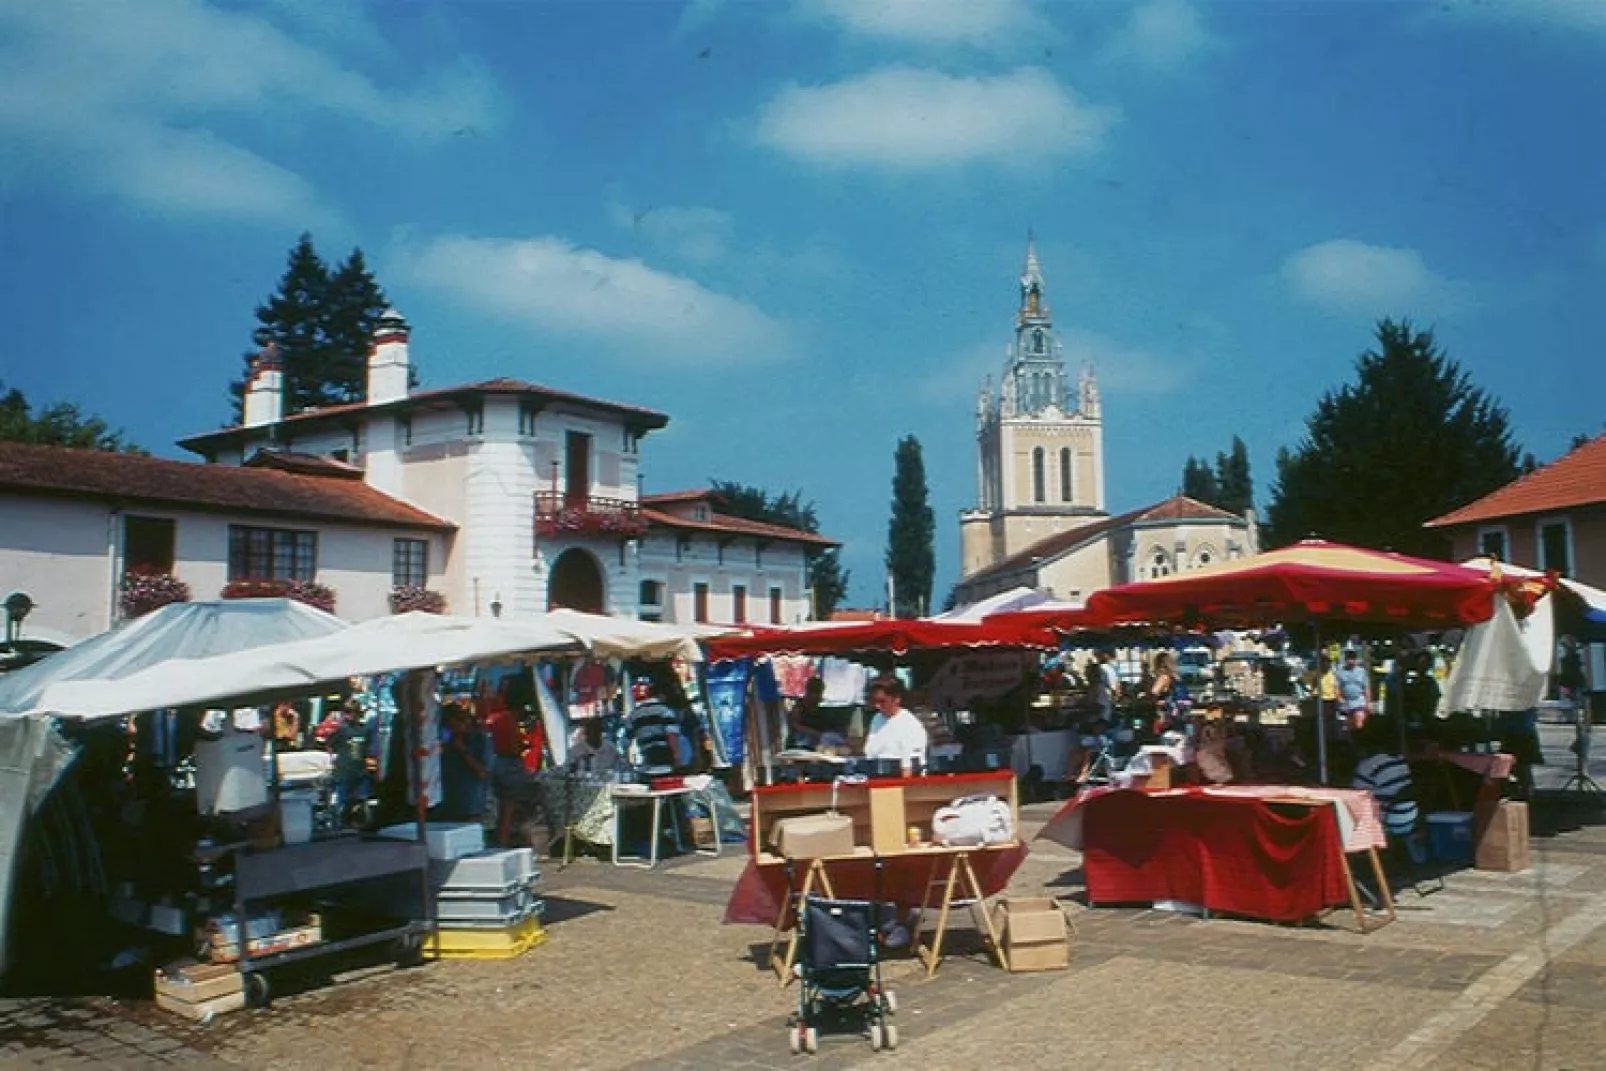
[[911, 533]]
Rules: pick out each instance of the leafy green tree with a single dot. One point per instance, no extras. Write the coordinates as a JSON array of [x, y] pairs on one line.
[[61, 424], [825, 575], [322, 321], [911, 533], [1412, 438]]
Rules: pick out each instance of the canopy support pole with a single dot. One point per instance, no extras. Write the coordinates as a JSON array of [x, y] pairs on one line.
[[1321, 708]]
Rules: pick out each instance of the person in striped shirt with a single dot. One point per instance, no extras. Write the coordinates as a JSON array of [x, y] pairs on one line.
[[1388, 778]]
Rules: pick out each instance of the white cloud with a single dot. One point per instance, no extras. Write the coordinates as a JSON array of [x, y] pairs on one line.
[[981, 23], [1161, 34], [629, 309], [1350, 276], [692, 233], [905, 118], [128, 100]]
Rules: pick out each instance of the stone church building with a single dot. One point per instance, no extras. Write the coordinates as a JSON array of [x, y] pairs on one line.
[[1040, 519]]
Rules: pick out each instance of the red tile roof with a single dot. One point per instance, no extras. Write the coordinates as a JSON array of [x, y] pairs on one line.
[[1576, 479], [209, 442], [727, 525], [123, 478], [1176, 508], [673, 498]]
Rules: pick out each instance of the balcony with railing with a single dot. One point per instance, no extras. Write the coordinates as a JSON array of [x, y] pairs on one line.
[[558, 513]]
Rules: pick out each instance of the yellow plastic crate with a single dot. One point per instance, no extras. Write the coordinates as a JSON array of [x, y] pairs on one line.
[[504, 943]]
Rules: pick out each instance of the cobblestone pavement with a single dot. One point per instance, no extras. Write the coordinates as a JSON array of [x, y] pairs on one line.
[[1494, 971]]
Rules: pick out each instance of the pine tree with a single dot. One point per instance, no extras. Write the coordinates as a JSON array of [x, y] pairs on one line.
[[1412, 438], [1199, 481], [911, 533], [1235, 489], [351, 313], [322, 322]]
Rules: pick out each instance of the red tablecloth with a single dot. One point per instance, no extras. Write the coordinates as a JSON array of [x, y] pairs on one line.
[[761, 890], [1234, 855]]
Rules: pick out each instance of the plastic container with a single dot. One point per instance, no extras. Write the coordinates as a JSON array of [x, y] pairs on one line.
[[510, 908], [485, 870], [295, 815], [447, 840], [504, 942], [1450, 836]]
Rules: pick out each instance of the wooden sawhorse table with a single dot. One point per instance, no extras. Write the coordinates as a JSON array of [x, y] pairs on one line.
[[951, 870]]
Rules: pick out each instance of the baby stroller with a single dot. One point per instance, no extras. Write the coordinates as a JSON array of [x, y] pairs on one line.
[[839, 963]]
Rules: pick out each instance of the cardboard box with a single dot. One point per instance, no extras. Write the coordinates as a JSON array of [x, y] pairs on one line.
[[813, 836], [223, 948], [1032, 931], [1502, 837], [192, 983], [1159, 773], [199, 991], [202, 1011], [888, 834]]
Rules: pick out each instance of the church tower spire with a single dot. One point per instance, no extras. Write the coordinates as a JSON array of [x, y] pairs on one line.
[[1039, 439], [1032, 306]]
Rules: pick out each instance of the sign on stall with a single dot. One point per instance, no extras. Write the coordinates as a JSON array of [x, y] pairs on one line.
[[976, 675]]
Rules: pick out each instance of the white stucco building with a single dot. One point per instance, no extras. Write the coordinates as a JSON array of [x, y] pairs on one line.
[[74, 522], [697, 563], [542, 486]]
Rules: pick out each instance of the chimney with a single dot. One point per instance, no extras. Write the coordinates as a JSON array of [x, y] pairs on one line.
[[264, 389], [388, 363]]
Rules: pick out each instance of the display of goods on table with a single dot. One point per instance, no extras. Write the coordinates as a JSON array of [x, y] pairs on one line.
[[852, 825]]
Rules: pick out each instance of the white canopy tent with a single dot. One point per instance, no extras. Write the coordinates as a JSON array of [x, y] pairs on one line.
[[383, 645], [1016, 598], [623, 637], [190, 630]]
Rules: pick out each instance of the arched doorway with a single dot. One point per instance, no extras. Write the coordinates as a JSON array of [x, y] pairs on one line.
[[576, 583]]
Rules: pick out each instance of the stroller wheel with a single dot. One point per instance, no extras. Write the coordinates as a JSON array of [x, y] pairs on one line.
[[889, 1002], [811, 1040], [890, 1037], [794, 1040], [878, 1036]]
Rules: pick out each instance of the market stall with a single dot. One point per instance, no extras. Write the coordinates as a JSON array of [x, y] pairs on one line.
[[274, 873], [35, 757], [1321, 585], [1184, 838], [1278, 853], [885, 832]]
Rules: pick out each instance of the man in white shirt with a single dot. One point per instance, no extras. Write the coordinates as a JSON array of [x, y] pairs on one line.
[[894, 733]]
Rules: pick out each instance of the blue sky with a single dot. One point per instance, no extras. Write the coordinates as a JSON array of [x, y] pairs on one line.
[[796, 227]]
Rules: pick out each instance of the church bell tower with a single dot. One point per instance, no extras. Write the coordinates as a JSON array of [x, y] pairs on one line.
[[1039, 444]]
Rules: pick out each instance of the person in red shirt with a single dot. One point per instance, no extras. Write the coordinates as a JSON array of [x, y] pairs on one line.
[[508, 771]]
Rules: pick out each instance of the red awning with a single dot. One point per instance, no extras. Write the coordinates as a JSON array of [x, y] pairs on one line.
[[892, 636], [1309, 581]]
